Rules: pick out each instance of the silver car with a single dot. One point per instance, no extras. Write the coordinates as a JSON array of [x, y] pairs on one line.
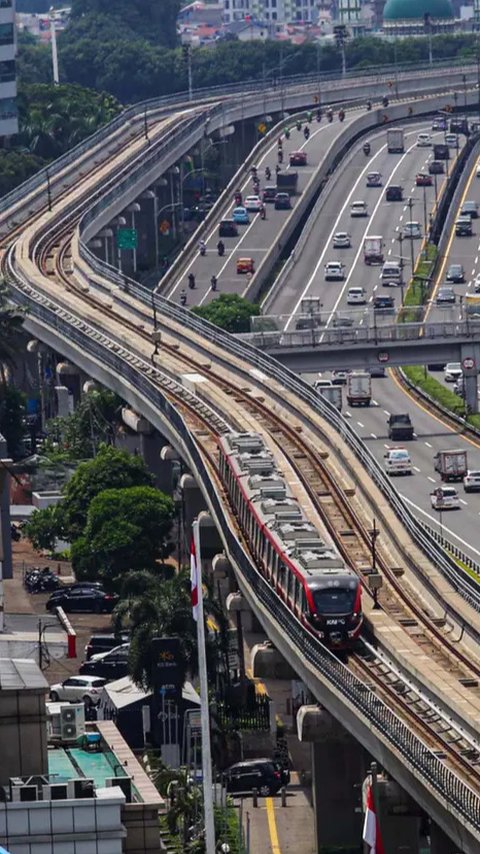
[[341, 240], [78, 688]]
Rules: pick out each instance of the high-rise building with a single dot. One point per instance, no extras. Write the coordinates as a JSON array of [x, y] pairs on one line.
[[8, 83], [268, 11]]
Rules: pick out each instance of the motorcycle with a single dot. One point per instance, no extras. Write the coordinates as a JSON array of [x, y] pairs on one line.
[[183, 298], [330, 116], [319, 115], [369, 105], [221, 248], [202, 249], [306, 132], [268, 173], [191, 281], [238, 198], [280, 155], [287, 133], [263, 213], [213, 283], [341, 115], [366, 148]]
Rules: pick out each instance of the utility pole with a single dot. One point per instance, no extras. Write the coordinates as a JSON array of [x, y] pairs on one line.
[[53, 40], [49, 190], [187, 56], [412, 251], [341, 36]]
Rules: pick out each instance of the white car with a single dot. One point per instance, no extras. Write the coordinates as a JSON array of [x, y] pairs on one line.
[[451, 139], [392, 272], [452, 371], [445, 498], [412, 230], [476, 284], [78, 688], [253, 203], [323, 384], [374, 179], [334, 271], [341, 240], [397, 461], [356, 296], [471, 481], [358, 209], [424, 140]]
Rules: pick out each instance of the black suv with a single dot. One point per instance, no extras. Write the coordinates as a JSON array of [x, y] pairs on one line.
[[265, 775], [109, 665], [227, 228], [394, 193], [88, 600], [103, 643]]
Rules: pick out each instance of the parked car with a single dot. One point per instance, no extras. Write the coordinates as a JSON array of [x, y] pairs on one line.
[[265, 775], [452, 371], [103, 643], [109, 665], [88, 600], [342, 240], [455, 273], [445, 498], [78, 688], [471, 481]]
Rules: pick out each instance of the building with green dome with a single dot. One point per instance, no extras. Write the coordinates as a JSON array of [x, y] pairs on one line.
[[417, 17]]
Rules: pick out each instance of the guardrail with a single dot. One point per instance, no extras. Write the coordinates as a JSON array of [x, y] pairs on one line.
[[427, 768]]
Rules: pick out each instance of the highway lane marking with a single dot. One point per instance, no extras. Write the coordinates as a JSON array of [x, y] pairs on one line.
[[386, 412], [416, 468], [431, 479], [360, 424], [272, 826], [367, 168], [373, 435], [462, 501], [444, 527], [428, 445], [429, 412]]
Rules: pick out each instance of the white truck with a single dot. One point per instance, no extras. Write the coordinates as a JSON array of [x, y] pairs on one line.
[[372, 249], [395, 141], [451, 465], [333, 394], [359, 388]]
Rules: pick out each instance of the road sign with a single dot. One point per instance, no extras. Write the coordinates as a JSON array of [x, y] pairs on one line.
[[127, 238], [262, 127], [383, 356], [468, 363]]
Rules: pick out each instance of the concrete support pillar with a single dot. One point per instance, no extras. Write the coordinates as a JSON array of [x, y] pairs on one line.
[[440, 842], [236, 604], [399, 818], [339, 764], [6, 563], [193, 503], [268, 662], [64, 401]]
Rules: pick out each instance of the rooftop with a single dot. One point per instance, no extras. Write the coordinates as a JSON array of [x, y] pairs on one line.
[[21, 674], [401, 10]]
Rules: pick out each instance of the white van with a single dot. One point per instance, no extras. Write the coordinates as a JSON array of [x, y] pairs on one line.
[[392, 272]]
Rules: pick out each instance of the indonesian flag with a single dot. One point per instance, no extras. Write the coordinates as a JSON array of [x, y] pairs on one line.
[[194, 580], [371, 828]]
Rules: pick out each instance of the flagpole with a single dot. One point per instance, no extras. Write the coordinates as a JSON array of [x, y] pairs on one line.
[[204, 708]]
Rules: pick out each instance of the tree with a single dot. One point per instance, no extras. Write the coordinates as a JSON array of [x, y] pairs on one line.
[[12, 414], [230, 312], [111, 469], [153, 20], [126, 529], [77, 436], [42, 528]]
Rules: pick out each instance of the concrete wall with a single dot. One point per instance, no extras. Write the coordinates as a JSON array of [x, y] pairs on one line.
[[23, 734]]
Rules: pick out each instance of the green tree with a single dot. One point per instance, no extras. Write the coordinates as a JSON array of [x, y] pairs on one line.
[[42, 528], [77, 436], [111, 469], [153, 20], [12, 414], [126, 529], [230, 312]]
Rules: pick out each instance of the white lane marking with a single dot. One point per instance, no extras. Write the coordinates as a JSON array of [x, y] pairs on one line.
[[462, 501], [360, 424], [444, 528], [416, 468], [428, 444], [386, 446], [373, 402], [431, 479], [400, 217], [386, 412], [373, 435], [326, 249]]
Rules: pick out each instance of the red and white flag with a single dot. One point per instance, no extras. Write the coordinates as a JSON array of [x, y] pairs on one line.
[[371, 828], [194, 580]]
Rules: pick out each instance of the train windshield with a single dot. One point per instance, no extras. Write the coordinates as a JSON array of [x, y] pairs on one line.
[[334, 600]]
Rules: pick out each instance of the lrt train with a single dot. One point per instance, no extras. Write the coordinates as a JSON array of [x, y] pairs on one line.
[[298, 561]]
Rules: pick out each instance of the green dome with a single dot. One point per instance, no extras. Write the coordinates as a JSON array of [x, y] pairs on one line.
[[401, 10]]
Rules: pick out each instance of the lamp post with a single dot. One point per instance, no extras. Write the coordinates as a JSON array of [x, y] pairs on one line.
[[412, 251], [120, 221], [401, 260], [133, 209], [53, 40], [425, 216], [172, 172], [151, 194]]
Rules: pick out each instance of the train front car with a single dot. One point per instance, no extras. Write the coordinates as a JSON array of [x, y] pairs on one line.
[[335, 604]]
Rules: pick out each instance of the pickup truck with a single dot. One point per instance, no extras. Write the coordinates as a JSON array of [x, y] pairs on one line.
[[400, 427]]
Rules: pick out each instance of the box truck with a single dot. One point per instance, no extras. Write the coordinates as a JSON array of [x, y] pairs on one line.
[[395, 141], [359, 388], [451, 465]]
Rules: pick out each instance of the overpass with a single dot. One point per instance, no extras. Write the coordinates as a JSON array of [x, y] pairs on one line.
[[111, 335]]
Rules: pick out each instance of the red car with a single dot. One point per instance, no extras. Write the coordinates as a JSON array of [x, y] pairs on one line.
[[423, 179], [298, 158]]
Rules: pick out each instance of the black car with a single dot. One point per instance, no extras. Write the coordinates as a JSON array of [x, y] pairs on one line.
[[282, 202], [265, 775], [109, 665], [88, 600], [445, 295], [268, 194], [394, 193], [455, 273], [103, 643], [383, 302], [227, 228], [436, 167]]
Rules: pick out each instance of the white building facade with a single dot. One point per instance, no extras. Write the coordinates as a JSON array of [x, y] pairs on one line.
[[8, 83], [268, 11]]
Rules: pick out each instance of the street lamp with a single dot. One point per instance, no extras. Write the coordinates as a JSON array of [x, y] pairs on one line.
[[151, 194], [133, 209], [53, 40], [173, 172], [401, 260], [412, 251]]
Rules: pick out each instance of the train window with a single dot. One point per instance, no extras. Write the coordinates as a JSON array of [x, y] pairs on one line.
[[290, 584], [282, 576], [274, 565], [298, 593], [334, 600]]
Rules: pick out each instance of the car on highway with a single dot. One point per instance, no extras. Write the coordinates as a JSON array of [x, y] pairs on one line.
[[227, 228], [463, 226], [88, 600], [323, 384], [342, 240], [476, 283], [469, 208], [412, 230], [253, 204], [358, 208], [451, 139], [340, 377], [76, 689], [282, 202], [423, 179], [374, 179], [377, 372], [334, 271], [394, 193], [240, 216], [245, 265], [455, 273], [307, 323], [356, 296], [445, 498], [264, 775], [424, 140], [436, 167], [391, 272], [340, 321], [298, 158], [269, 193], [445, 295], [384, 303], [471, 481], [397, 461], [439, 123], [452, 371]]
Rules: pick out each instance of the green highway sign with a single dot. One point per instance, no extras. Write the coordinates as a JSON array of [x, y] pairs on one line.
[[127, 238]]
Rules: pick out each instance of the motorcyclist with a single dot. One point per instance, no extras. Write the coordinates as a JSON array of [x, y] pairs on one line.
[[221, 247], [319, 115], [268, 173], [366, 147], [330, 114], [306, 132], [280, 155], [202, 247], [253, 171], [369, 105], [183, 297], [287, 133], [278, 168], [263, 213], [280, 143], [341, 115], [191, 281], [238, 198], [213, 283], [299, 124], [256, 185], [385, 101]]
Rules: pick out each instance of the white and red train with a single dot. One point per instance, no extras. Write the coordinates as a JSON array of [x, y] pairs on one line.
[[298, 560]]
